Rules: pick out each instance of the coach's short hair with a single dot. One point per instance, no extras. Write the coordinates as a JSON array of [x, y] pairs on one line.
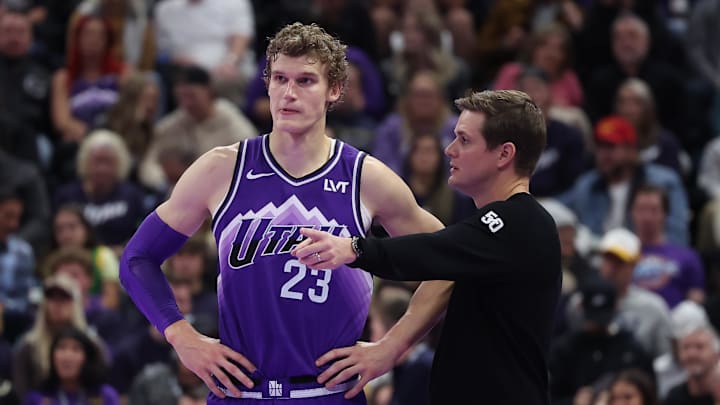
[[510, 116], [309, 40]]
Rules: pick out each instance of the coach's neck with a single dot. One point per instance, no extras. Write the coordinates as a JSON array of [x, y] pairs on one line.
[[505, 186]]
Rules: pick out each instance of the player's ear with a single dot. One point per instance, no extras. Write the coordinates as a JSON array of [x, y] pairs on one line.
[[506, 154], [335, 92]]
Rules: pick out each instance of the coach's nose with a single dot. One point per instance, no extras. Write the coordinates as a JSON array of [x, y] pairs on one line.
[[450, 149]]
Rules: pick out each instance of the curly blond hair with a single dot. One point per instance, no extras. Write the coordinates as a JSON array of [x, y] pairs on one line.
[[310, 40]]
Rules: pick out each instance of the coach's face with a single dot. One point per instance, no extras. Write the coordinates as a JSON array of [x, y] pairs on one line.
[[299, 94], [472, 164]]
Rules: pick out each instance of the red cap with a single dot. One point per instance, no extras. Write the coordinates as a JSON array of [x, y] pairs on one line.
[[615, 130]]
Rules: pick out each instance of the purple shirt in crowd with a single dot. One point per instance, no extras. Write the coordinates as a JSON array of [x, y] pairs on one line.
[[107, 395], [670, 271]]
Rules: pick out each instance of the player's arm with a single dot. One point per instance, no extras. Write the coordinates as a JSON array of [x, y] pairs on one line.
[[393, 205], [162, 234]]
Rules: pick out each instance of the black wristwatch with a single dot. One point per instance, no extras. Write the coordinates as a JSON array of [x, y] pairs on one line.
[[355, 245]]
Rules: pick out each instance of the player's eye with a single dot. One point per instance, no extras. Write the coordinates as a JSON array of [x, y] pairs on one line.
[[279, 78]]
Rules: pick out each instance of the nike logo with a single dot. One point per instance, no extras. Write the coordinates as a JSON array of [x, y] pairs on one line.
[[252, 176]]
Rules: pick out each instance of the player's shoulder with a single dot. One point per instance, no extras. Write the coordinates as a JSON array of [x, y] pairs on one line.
[[217, 161]]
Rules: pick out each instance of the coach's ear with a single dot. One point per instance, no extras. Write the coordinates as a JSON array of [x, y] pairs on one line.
[[506, 155]]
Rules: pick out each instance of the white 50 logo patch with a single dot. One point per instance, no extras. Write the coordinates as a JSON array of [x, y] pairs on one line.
[[493, 221]]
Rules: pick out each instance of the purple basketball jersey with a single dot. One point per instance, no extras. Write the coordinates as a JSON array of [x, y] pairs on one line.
[[272, 309]]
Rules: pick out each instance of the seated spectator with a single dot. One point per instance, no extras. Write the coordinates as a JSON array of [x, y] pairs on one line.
[[422, 50], [77, 373], [425, 172], [699, 353], [132, 19], [25, 89], [601, 196], [30, 187], [133, 115], [111, 204], [673, 271], [632, 386], [72, 230], [639, 311], [635, 103], [564, 157], [201, 122], [348, 120], [421, 109], [17, 262], [598, 349], [214, 34], [687, 317], [88, 85], [61, 307], [549, 50]]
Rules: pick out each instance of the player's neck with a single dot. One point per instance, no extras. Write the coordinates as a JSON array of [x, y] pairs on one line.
[[300, 155]]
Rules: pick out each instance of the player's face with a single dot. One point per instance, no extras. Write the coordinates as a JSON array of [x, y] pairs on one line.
[[648, 215], [69, 358], [471, 162], [299, 94]]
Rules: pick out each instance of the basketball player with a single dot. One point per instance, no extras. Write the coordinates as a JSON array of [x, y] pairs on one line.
[[505, 260], [276, 316]]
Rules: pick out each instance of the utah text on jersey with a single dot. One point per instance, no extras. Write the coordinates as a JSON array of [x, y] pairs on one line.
[[277, 238]]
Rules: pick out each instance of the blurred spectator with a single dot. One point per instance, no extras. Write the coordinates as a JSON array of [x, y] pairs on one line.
[[348, 20], [673, 271], [708, 176], [425, 172], [632, 387], [50, 19], [174, 160], [598, 349], [702, 39], [110, 203], [687, 317], [699, 353], [166, 384], [72, 230], [17, 263], [214, 34], [460, 22], [635, 102], [601, 197], [421, 109], [631, 45], [29, 185], [133, 115], [61, 307], [348, 120], [201, 123], [88, 85], [564, 158], [421, 49], [25, 89], [77, 373], [549, 49], [131, 20], [501, 37], [640, 312]]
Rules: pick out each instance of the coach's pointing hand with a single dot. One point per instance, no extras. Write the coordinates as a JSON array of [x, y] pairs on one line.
[[322, 250], [207, 357]]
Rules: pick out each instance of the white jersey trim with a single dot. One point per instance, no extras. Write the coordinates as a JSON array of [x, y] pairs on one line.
[[280, 172]]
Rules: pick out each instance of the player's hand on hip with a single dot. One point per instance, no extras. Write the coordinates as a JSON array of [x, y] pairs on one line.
[[368, 360], [208, 358], [322, 250]]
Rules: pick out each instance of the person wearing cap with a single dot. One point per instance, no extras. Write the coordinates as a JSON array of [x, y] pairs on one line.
[[699, 355], [201, 122], [673, 271], [640, 311], [601, 196], [687, 317], [580, 358]]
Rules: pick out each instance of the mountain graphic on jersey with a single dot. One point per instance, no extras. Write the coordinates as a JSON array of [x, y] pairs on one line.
[[272, 230]]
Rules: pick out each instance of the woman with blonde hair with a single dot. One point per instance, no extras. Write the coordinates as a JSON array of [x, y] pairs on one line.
[[61, 307], [113, 205]]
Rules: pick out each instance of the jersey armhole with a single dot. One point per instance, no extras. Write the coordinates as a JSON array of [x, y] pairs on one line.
[[232, 190], [361, 213]]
